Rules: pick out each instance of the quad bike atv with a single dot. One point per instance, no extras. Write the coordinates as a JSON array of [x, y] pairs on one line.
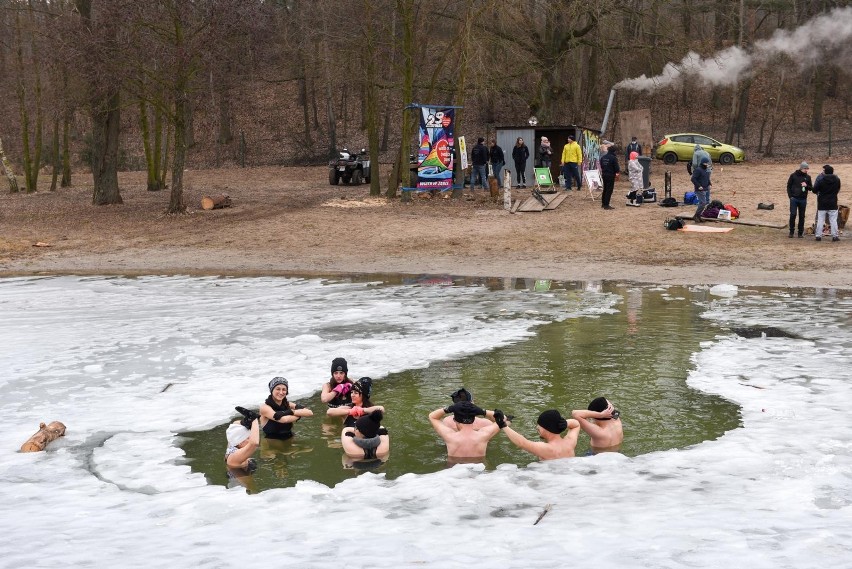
[[352, 168]]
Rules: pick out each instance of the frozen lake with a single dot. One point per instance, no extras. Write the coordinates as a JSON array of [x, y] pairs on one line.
[[127, 364]]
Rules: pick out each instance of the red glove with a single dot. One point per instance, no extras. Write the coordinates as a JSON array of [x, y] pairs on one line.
[[357, 411]]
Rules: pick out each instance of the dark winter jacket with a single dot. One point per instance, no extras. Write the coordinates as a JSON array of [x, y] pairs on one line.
[[826, 190], [497, 155], [701, 179], [479, 155], [609, 164], [520, 154], [795, 186], [632, 147]]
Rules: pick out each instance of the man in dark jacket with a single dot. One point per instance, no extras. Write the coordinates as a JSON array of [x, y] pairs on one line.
[[609, 172], [479, 158], [632, 146], [826, 189], [701, 185], [798, 186], [498, 160]]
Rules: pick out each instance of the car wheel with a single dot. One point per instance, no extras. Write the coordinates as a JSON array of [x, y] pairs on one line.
[[333, 178], [670, 158], [726, 158], [356, 178]]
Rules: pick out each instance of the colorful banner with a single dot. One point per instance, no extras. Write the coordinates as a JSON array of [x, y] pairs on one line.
[[435, 156]]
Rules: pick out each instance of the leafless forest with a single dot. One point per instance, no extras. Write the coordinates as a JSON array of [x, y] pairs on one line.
[[161, 85]]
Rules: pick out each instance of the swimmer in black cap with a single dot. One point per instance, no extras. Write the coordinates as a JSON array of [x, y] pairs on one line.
[[277, 415], [551, 425], [360, 405], [367, 439], [478, 422], [335, 392], [602, 423], [464, 441]]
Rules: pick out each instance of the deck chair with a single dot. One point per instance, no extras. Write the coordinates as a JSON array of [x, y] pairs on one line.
[[543, 181], [594, 182]]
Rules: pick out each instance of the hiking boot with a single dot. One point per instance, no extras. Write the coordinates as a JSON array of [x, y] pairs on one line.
[[800, 236], [790, 236], [818, 239], [835, 238], [608, 207]]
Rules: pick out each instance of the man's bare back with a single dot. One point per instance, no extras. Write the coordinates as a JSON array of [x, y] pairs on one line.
[[466, 442]]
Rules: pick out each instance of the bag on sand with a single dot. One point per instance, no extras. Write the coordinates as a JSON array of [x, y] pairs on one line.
[[668, 202], [673, 224], [735, 213], [689, 198]]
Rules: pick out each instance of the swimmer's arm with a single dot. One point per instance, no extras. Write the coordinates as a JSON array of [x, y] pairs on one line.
[[269, 413], [300, 411], [541, 450], [341, 411], [368, 410], [573, 431], [327, 394], [238, 457], [435, 418], [582, 416]]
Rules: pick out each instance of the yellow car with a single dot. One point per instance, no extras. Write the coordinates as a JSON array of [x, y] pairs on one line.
[[674, 147]]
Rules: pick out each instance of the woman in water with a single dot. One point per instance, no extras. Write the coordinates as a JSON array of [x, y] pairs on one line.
[[335, 392], [242, 443], [360, 405], [367, 439], [277, 414]]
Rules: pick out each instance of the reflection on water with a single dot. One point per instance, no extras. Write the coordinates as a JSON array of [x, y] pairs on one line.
[[638, 357]]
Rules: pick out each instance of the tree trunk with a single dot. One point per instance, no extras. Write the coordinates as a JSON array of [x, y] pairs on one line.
[[406, 10], [66, 150], [106, 118], [371, 96], [819, 98], [7, 171], [55, 158], [150, 165]]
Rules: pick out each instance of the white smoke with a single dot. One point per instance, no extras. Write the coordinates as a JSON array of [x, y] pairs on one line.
[[825, 37]]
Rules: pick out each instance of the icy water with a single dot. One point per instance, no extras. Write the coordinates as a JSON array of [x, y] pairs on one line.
[[137, 367], [638, 356]]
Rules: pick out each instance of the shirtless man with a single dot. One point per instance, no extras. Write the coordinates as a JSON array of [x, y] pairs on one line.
[[601, 421], [551, 425], [478, 422], [466, 442]]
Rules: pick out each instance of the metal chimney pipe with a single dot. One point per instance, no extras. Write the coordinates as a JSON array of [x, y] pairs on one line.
[[608, 109]]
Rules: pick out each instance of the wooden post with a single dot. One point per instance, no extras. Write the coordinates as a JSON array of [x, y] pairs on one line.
[[45, 434], [215, 202]]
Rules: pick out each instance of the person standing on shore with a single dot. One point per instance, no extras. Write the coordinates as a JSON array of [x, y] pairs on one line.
[[826, 188], [572, 157], [498, 160], [798, 185], [701, 184], [609, 172], [545, 153], [479, 158], [632, 146], [520, 155]]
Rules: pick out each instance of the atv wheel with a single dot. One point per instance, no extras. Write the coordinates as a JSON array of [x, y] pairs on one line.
[[333, 178]]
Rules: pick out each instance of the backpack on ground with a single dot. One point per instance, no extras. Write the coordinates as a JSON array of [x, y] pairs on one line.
[[668, 202], [689, 198], [673, 224], [735, 213]]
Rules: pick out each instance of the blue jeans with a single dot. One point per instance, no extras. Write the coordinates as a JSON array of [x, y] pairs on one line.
[[797, 205], [498, 167], [480, 172], [703, 199], [571, 170]]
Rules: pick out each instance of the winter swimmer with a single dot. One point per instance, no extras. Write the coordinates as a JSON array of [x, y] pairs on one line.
[[478, 422], [242, 441], [551, 424], [360, 405], [335, 392], [367, 439], [464, 441], [602, 423], [278, 414]]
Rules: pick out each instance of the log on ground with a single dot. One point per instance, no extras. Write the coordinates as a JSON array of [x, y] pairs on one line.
[[45, 434], [215, 202]]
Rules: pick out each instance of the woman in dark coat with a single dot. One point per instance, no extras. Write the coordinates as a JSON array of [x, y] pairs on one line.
[[520, 154]]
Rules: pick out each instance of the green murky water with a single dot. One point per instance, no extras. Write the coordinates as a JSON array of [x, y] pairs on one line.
[[638, 357]]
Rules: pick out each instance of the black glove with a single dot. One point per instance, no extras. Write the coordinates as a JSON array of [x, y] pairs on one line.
[[249, 416], [299, 407], [616, 414], [500, 418], [279, 414]]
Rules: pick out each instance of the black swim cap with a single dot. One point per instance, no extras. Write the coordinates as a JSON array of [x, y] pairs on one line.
[[551, 420], [599, 405], [369, 424], [339, 364], [462, 395], [465, 412]]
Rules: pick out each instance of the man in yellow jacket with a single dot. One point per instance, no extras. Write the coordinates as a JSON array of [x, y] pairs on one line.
[[572, 157]]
